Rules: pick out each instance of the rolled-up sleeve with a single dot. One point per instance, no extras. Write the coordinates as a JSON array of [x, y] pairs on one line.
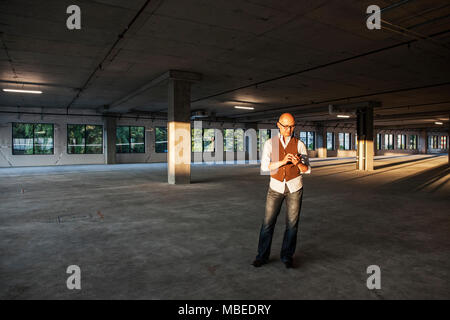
[[265, 158], [305, 159]]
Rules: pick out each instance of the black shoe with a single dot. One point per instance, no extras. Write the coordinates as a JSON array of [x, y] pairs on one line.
[[288, 264], [258, 263]]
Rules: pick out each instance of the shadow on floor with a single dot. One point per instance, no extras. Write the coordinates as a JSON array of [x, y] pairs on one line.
[[424, 179], [401, 162], [377, 172], [334, 164]]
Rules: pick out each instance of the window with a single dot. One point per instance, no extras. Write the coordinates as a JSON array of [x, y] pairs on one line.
[[32, 138], [84, 139], [347, 140], [435, 142], [229, 140], [197, 140], [379, 141], [401, 141], [443, 142], [413, 142], [308, 138], [123, 139], [303, 137], [208, 140], [160, 139], [311, 142], [239, 140], [344, 141], [388, 141], [130, 139], [330, 140], [263, 136]]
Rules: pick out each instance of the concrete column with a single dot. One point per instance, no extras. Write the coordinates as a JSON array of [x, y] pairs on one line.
[[109, 133], [423, 142], [395, 140], [321, 142], [364, 125], [375, 141], [219, 145], [336, 142], [179, 132]]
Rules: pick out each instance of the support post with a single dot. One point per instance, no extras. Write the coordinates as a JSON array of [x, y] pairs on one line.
[[321, 142], [179, 132], [423, 142], [364, 157], [110, 125]]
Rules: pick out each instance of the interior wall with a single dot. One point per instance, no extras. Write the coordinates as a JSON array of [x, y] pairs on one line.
[[61, 157]]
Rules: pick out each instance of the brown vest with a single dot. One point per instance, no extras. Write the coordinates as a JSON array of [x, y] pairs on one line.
[[288, 171]]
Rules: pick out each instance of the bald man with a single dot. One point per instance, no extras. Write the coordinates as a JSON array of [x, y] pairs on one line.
[[286, 157]]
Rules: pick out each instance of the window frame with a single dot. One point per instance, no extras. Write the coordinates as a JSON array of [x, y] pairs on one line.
[[167, 142], [260, 146], [129, 140], [402, 139], [193, 140], [435, 142], [390, 141], [333, 141], [85, 138], [313, 134], [235, 140], [379, 141], [308, 134], [413, 146], [443, 142], [33, 124], [344, 140], [213, 142], [225, 139]]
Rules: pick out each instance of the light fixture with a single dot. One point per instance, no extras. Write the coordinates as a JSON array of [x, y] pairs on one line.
[[23, 91], [438, 122], [342, 116], [247, 108]]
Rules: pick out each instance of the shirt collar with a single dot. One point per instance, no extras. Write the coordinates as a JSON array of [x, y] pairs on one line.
[[285, 143]]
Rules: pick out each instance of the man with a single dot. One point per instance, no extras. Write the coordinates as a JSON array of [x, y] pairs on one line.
[[286, 157]]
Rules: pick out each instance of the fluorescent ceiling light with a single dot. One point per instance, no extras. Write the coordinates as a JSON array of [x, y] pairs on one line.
[[342, 116], [23, 91], [240, 107], [438, 122]]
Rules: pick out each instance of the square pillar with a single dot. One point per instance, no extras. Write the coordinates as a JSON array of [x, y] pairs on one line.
[[365, 152], [423, 142], [179, 132], [336, 142], [109, 133], [321, 142]]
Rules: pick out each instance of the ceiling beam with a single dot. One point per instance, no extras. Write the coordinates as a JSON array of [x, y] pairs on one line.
[[171, 74]]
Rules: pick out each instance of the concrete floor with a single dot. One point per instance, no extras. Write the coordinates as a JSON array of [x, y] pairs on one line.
[[151, 240]]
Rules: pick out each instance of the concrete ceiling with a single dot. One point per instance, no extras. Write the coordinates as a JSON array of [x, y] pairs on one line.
[[274, 55]]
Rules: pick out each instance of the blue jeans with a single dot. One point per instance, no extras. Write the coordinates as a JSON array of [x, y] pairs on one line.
[[273, 206]]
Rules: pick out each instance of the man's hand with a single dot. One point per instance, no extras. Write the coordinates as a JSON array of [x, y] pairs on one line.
[[287, 158], [295, 159], [302, 167]]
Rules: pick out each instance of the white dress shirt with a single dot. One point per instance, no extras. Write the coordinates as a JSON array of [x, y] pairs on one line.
[[293, 184]]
